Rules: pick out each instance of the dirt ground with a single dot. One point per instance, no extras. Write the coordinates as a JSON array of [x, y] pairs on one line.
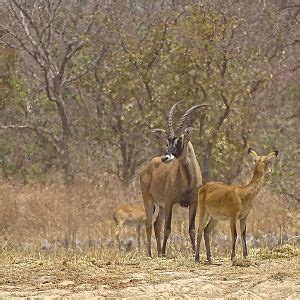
[[80, 276]]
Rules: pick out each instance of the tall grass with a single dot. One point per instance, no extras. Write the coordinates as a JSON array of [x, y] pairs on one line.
[[80, 217]]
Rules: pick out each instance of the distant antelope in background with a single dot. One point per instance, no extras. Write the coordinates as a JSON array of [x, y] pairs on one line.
[[129, 215], [219, 201], [172, 178]]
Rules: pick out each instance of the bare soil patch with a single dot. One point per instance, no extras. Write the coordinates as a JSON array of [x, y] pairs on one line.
[[73, 275]]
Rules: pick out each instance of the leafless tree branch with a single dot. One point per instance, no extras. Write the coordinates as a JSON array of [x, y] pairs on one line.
[[39, 130]]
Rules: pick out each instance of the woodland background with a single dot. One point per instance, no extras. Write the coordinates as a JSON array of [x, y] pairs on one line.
[[82, 83]]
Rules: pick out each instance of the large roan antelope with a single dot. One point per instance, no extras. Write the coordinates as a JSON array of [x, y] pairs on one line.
[[172, 178], [219, 201]]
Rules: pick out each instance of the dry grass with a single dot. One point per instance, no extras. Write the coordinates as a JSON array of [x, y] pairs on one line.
[[24, 273], [284, 251], [39, 217], [93, 267], [61, 238], [104, 264]]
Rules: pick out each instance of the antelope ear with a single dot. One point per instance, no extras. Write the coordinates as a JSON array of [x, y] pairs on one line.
[[253, 153], [161, 133], [272, 155], [188, 130]]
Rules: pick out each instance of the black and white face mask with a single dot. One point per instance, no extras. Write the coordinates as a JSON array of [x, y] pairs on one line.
[[174, 149]]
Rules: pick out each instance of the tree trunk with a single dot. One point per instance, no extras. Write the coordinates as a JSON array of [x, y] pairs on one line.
[[64, 143], [205, 164]]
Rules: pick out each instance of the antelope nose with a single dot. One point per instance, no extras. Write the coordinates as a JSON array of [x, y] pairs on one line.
[[164, 158]]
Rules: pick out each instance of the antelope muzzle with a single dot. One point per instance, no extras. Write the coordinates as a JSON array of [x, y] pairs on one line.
[[167, 158]]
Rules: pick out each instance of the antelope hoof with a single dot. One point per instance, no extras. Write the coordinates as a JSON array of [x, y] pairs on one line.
[[197, 258], [210, 260]]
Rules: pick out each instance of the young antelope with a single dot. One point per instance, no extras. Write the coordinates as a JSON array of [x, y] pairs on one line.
[[218, 201]]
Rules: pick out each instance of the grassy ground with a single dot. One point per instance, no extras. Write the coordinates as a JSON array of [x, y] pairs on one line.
[[110, 273], [40, 226]]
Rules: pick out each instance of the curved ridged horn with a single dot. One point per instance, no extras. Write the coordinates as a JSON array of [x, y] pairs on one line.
[[161, 133], [183, 119], [170, 119]]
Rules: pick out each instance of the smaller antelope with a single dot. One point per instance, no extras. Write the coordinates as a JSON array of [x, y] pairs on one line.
[[218, 201], [129, 215]]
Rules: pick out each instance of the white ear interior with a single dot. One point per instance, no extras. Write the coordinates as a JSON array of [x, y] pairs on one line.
[[253, 154], [188, 130], [272, 155]]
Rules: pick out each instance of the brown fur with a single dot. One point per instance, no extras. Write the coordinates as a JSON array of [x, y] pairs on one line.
[[129, 215], [167, 184], [172, 178], [218, 201]]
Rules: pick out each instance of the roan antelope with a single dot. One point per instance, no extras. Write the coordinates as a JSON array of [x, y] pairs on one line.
[[219, 201], [172, 178], [129, 215]]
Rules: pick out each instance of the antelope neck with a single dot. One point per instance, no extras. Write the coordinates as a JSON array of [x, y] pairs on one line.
[[187, 166], [254, 186], [187, 150]]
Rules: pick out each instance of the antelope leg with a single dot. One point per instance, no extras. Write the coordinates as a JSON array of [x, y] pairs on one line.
[[167, 229]]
